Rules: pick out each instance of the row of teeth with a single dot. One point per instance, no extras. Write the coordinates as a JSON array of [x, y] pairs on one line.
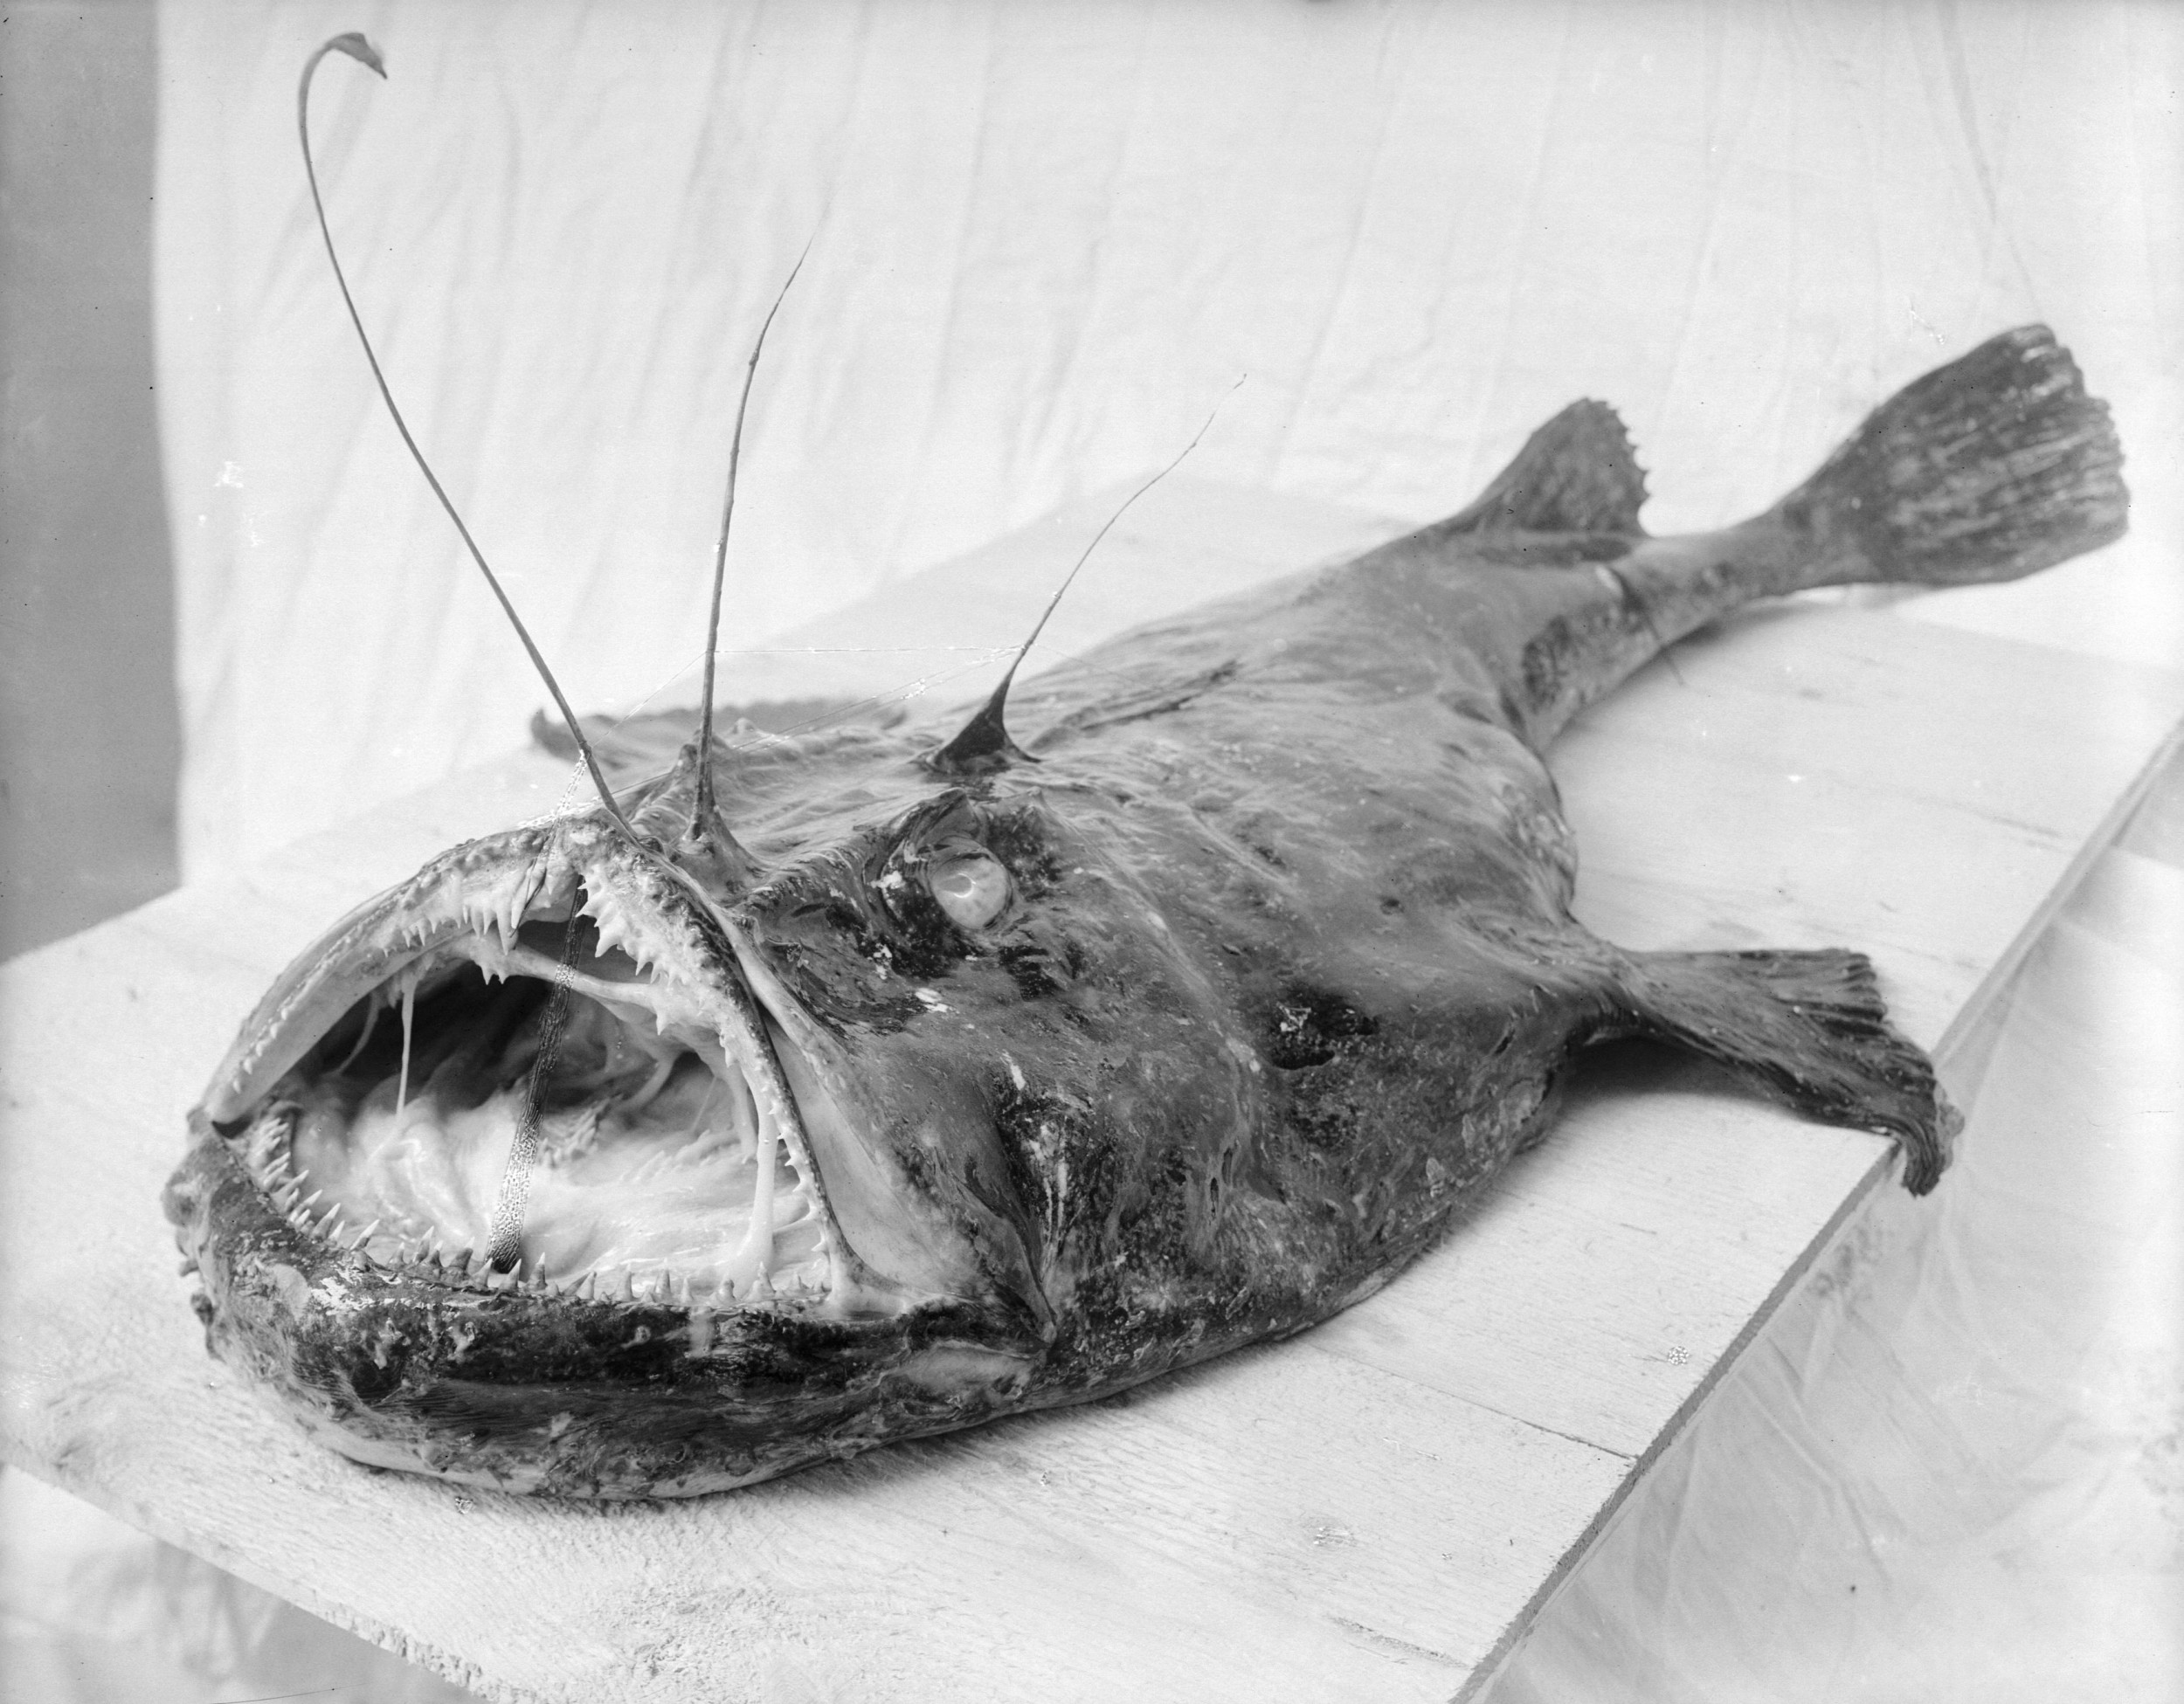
[[468, 1269]]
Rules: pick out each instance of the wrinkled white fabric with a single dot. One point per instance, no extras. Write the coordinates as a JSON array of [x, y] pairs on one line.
[[1045, 240]]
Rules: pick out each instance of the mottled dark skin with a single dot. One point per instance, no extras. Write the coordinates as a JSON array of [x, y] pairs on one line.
[[1287, 973]]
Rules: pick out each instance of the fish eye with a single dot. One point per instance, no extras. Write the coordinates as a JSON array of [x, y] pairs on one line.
[[971, 887]]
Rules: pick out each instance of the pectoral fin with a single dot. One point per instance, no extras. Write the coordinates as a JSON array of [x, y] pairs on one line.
[[1808, 1028]]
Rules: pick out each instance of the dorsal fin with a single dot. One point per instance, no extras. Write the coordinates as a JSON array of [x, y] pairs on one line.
[[1576, 475]]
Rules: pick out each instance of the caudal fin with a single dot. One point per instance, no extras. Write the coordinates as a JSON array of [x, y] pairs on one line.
[[1809, 1028], [1992, 467]]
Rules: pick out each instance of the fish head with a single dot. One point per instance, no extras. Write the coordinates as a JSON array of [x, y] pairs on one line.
[[881, 1126]]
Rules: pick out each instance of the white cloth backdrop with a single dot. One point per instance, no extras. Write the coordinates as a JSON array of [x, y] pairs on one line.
[[1046, 239]]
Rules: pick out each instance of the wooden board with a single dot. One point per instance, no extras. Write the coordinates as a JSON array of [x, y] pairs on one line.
[[1371, 1510]]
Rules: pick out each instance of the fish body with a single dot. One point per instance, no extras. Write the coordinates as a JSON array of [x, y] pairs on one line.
[[947, 1079]]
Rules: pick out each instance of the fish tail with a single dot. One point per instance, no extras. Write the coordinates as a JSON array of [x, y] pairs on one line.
[[1992, 467], [1808, 1028]]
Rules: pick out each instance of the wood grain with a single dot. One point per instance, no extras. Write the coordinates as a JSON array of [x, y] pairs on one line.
[[1371, 1510]]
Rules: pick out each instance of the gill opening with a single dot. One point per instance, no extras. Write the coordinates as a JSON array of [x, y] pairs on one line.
[[983, 743], [354, 44]]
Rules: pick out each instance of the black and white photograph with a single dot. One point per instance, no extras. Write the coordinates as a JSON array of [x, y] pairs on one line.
[[1143, 850]]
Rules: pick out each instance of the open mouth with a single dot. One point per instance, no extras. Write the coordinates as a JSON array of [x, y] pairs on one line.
[[550, 1110]]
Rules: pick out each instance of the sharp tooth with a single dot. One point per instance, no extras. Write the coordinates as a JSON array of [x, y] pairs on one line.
[[624, 1289], [682, 1291], [364, 1236], [311, 1199], [588, 1286]]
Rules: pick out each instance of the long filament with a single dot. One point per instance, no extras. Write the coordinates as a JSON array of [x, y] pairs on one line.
[[402, 1086], [504, 1244], [985, 736], [1054, 603], [703, 813], [371, 1023], [752, 1261], [361, 51]]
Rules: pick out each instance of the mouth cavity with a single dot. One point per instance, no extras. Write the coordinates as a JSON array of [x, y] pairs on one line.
[[647, 1170]]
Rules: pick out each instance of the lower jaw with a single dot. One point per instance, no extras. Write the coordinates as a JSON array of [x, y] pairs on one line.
[[522, 1389]]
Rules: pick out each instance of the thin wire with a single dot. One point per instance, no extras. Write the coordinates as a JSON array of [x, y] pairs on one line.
[[358, 48]]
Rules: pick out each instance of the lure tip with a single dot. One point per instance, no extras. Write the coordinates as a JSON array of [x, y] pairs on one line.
[[359, 48]]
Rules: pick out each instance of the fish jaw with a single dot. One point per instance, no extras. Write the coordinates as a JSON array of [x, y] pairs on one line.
[[523, 1386], [707, 1326]]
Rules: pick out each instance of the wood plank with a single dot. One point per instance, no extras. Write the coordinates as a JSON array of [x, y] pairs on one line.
[[1370, 1510]]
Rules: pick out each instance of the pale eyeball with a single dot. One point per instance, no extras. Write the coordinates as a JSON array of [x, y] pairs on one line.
[[971, 887]]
